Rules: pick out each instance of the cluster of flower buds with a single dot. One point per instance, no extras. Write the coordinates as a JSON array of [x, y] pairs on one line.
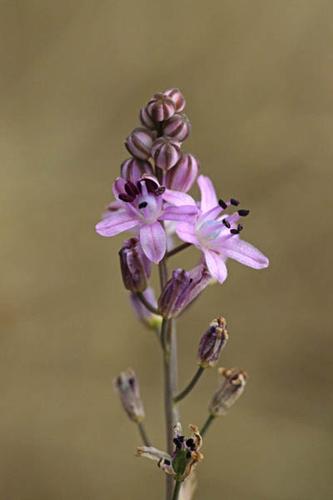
[[127, 386], [185, 456], [212, 342], [230, 389], [164, 127]]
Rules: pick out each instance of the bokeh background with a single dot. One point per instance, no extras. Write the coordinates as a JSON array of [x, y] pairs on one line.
[[258, 81]]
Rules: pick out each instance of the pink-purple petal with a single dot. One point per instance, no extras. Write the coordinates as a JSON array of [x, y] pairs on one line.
[[186, 232], [212, 214], [118, 186], [245, 253], [208, 194], [216, 265], [115, 223], [178, 198], [153, 241], [183, 213]]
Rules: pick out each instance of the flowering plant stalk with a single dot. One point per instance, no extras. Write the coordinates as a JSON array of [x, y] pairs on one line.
[[152, 202]]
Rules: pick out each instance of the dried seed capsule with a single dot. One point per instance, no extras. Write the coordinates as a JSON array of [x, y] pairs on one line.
[[133, 169], [178, 127], [231, 388], [182, 176], [177, 97], [135, 267], [127, 386], [160, 107], [166, 152], [212, 343], [182, 289], [146, 119], [139, 143]]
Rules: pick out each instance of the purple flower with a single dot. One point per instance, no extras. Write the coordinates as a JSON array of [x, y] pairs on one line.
[[142, 206], [217, 236]]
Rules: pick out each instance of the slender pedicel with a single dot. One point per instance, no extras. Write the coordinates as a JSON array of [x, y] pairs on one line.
[[147, 304], [177, 249], [190, 385]]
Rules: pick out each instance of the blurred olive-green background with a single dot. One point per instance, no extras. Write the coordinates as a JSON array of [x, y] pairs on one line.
[[258, 80]]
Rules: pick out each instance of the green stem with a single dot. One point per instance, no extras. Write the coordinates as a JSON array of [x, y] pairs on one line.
[[176, 490], [168, 393], [147, 304], [207, 424], [178, 249], [143, 434], [190, 385], [164, 336]]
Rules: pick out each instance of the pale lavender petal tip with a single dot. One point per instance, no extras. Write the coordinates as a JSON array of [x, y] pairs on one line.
[[216, 266], [245, 253], [115, 223], [208, 193]]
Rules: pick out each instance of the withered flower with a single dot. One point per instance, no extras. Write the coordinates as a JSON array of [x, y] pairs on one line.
[[231, 388], [184, 458]]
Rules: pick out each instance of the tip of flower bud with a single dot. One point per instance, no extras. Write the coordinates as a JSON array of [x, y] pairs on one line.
[[234, 375]]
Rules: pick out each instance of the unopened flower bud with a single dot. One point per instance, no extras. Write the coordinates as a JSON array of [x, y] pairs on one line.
[[127, 386], [133, 169], [149, 319], [182, 176], [161, 107], [212, 343], [182, 289], [166, 152], [178, 127], [146, 119], [177, 97], [139, 143], [231, 388], [135, 267]]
